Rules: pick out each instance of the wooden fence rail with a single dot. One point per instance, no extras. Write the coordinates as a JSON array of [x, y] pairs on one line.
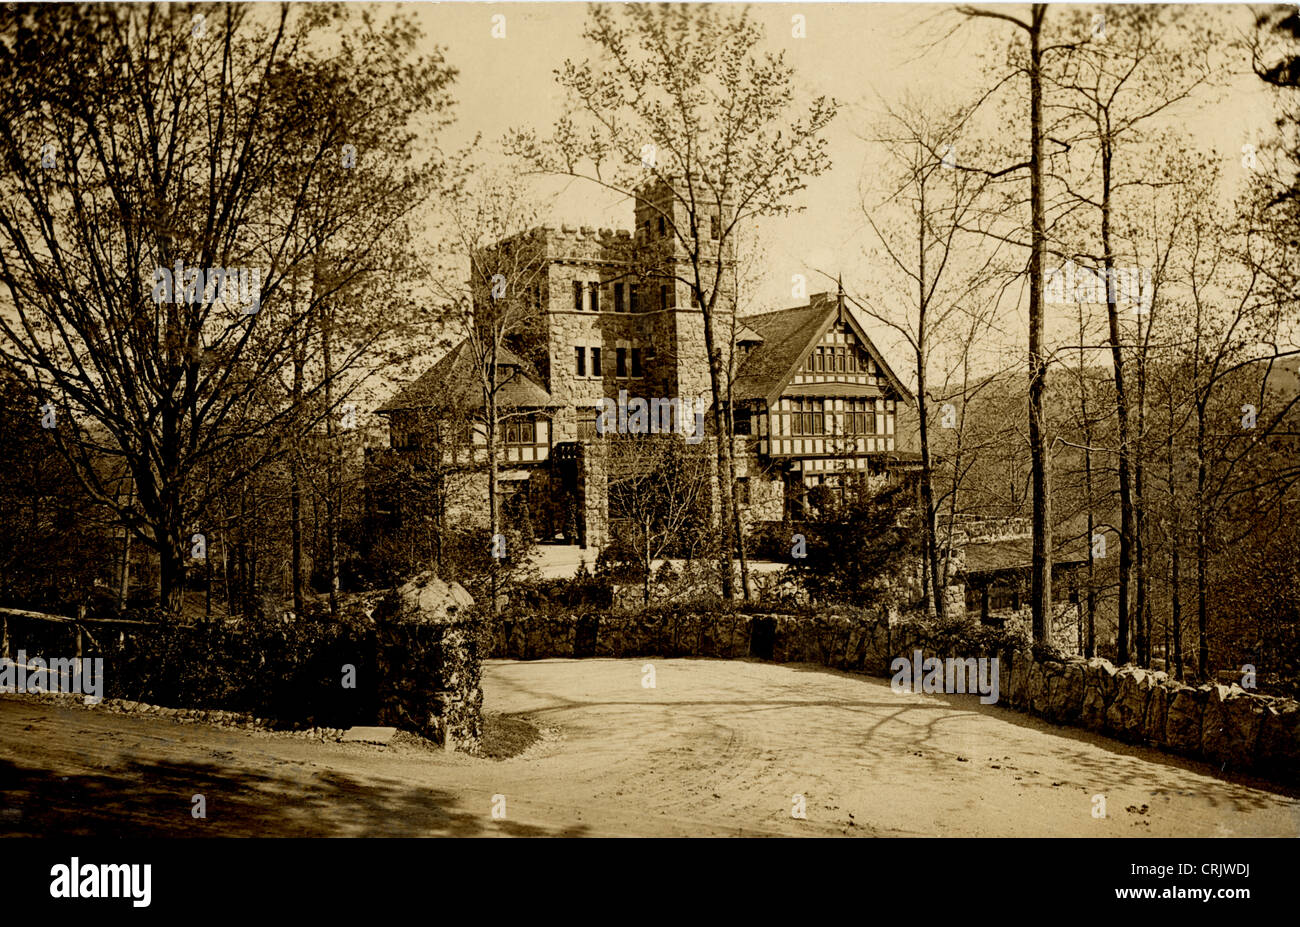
[[80, 624]]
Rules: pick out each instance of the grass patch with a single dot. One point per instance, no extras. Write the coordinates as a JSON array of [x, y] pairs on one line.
[[504, 736]]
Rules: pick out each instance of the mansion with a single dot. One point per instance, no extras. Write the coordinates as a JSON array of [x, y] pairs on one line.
[[815, 403]]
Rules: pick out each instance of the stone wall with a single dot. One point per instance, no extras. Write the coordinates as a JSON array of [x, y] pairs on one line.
[[430, 663], [1064, 632], [1224, 725]]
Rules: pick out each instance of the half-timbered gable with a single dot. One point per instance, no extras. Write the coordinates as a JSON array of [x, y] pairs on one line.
[[817, 396]]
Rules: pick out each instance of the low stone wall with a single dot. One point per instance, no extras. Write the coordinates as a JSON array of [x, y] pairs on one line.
[[1225, 725], [430, 663], [665, 633], [1221, 724]]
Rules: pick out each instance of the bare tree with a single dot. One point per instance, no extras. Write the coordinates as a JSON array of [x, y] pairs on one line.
[[123, 158], [1040, 463], [658, 488], [1109, 86], [942, 271], [491, 226]]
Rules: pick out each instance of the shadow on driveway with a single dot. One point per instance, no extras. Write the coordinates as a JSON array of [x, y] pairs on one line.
[[146, 799]]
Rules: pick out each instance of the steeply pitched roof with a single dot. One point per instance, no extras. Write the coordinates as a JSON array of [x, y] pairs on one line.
[[453, 383], [788, 335]]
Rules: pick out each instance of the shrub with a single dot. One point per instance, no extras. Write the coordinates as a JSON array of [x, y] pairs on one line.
[[287, 669], [860, 556]]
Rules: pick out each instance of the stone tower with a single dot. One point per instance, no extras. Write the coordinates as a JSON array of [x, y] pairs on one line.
[[672, 324]]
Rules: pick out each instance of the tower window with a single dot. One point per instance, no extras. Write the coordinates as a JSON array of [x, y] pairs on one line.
[[715, 226], [580, 366], [634, 296], [595, 362], [587, 419], [594, 287], [663, 228], [620, 362], [618, 297], [636, 362], [577, 296]]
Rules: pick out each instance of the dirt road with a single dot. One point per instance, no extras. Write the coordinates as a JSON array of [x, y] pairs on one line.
[[715, 748]]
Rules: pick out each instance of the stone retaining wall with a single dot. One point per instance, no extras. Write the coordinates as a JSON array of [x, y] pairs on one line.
[[1225, 725]]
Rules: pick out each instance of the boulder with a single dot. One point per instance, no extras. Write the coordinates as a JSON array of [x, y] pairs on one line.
[[1099, 687], [1127, 712], [1183, 721], [1231, 725], [1279, 739], [424, 598], [1047, 676], [1065, 693], [1153, 726]]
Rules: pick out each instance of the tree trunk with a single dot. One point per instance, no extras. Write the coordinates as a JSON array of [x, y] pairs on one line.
[[1202, 550], [1141, 606], [1175, 565], [737, 524], [939, 605], [494, 515], [124, 585], [1041, 578], [172, 555], [331, 469], [295, 498], [251, 602], [740, 547], [726, 467], [645, 577], [439, 519], [1090, 642], [1121, 408]]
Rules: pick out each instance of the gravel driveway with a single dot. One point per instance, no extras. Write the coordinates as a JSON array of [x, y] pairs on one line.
[[715, 748]]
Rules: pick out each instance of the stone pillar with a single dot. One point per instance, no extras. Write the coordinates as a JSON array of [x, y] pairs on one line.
[[595, 495], [430, 664]]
